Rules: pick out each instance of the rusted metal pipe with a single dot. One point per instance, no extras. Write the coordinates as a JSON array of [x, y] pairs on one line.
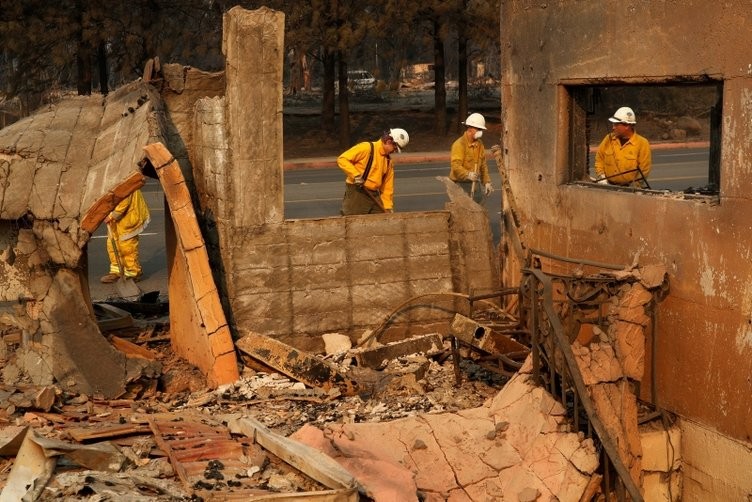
[[578, 261]]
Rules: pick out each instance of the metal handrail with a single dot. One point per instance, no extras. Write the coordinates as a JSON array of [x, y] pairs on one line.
[[581, 393]]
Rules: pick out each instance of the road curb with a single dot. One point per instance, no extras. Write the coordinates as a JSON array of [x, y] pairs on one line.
[[421, 157], [400, 159]]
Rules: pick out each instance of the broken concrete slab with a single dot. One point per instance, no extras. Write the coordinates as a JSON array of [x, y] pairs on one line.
[[464, 453], [30, 472], [296, 364], [11, 437], [381, 479], [379, 357], [103, 456], [470, 331], [72, 348]]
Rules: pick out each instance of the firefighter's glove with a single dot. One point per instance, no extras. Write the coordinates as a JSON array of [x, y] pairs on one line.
[[359, 181], [488, 188], [472, 176]]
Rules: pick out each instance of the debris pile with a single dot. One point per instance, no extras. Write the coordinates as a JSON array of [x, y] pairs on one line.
[[170, 436], [460, 416]]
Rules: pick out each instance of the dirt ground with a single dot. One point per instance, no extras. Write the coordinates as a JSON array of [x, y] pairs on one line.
[[411, 110], [370, 115]]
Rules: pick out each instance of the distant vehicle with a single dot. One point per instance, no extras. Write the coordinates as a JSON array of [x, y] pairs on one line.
[[358, 81]]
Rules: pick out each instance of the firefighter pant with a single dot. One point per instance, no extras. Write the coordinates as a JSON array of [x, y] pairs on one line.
[[128, 250], [360, 201]]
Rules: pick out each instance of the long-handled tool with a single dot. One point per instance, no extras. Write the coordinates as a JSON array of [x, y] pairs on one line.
[[374, 199], [472, 187], [125, 286]]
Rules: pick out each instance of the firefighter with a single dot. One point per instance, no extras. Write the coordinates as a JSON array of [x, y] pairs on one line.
[[469, 168], [124, 224], [623, 157], [369, 186]]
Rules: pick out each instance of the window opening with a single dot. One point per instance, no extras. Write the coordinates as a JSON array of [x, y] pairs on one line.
[[681, 121]]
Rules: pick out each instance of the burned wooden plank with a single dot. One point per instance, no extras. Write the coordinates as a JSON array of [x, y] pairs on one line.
[[296, 364], [44, 399], [307, 459], [378, 357], [130, 349], [82, 434]]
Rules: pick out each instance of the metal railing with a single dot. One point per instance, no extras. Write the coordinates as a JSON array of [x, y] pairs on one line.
[[555, 368]]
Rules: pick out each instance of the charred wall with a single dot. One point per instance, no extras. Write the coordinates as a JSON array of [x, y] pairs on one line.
[[301, 278], [61, 171], [703, 338]]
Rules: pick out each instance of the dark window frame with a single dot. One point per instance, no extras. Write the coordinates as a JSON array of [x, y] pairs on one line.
[[585, 105]]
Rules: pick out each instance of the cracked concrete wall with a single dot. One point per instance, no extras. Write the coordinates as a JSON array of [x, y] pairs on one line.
[[61, 171], [704, 331]]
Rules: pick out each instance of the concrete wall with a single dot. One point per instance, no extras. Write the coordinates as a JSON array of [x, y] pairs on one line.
[[61, 171], [704, 331], [715, 468], [297, 279]]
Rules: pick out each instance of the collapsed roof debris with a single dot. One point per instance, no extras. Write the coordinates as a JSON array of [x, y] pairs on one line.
[[159, 437], [422, 433]]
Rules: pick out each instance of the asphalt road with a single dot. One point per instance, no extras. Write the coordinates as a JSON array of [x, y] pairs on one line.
[[317, 193]]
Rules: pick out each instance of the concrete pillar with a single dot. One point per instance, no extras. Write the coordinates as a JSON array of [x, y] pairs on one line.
[[253, 45]]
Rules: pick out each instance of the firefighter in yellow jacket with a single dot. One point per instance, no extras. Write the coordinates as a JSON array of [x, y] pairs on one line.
[[469, 168], [124, 224], [369, 186], [623, 157]]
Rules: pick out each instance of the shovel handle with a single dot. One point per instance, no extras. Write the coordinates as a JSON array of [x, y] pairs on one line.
[[374, 199], [115, 249]]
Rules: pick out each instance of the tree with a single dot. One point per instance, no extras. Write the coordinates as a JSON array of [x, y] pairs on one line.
[[329, 30], [436, 16], [55, 45], [476, 25], [32, 33]]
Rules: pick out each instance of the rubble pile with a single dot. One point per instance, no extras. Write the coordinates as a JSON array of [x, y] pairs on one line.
[[134, 448], [429, 417]]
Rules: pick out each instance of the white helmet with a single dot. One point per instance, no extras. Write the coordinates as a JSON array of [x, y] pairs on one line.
[[400, 137], [624, 115], [475, 120]]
